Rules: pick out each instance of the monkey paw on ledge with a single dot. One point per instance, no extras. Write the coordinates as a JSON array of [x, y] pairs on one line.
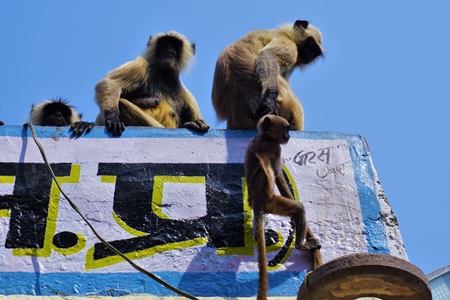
[[175, 201]]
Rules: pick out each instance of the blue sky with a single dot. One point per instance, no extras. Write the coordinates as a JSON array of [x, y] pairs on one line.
[[386, 76]]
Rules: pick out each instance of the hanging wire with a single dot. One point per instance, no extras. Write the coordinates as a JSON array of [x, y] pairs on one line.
[[110, 247]]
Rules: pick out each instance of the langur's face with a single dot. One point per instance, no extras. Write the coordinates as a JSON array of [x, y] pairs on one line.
[[275, 127], [169, 48], [56, 114], [286, 136], [308, 51]]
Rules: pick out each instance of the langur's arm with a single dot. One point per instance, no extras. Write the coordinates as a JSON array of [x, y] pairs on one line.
[[274, 55], [267, 70], [107, 93], [109, 89], [126, 77], [191, 116]]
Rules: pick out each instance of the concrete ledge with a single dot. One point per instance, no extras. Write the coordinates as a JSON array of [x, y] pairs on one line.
[[174, 201]]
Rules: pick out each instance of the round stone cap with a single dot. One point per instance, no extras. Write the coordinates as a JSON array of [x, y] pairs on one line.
[[365, 275]]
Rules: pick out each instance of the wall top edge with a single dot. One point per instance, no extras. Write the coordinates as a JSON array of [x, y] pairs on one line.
[[146, 132]]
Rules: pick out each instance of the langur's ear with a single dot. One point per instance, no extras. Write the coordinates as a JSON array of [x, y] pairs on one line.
[[80, 116], [301, 23], [149, 40], [193, 48], [266, 124]]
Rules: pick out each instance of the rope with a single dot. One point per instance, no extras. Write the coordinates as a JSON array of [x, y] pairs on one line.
[[112, 248]]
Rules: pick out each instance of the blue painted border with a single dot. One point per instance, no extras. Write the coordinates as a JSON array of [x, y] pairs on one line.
[[198, 284], [146, 132], [367, 193], [226, 284]]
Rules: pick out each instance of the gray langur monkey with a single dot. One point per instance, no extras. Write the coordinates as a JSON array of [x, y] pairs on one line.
[[148, 91], [251, 77], [57, 112], [263, 164]]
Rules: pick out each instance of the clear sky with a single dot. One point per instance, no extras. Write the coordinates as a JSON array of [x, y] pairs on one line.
[[386, 76]]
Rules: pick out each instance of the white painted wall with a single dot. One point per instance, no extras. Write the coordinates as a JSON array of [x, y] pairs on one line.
[[186, 220]]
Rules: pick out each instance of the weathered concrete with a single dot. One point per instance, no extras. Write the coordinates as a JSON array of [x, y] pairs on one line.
[[174, 202]]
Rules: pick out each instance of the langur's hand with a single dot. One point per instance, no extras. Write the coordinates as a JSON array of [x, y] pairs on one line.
[[113, 124], [197, 125], [79, 127], [267, 105], [147, 102]]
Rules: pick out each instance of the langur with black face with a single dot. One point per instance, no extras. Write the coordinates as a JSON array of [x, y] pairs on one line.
[[148, 91], [58, 112], [251, 78], [263, 164]]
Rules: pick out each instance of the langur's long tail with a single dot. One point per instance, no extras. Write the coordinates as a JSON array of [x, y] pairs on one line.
[[263, 283], [133, 115]]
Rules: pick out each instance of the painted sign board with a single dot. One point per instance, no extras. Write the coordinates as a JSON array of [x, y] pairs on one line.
[[175, 202]]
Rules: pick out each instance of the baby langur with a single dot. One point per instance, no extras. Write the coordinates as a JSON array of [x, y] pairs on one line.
[[251, 77], [58, 112], [148, 91], [263, 163]]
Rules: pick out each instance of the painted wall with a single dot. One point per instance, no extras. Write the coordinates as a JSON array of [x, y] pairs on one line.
[[174, 201]]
